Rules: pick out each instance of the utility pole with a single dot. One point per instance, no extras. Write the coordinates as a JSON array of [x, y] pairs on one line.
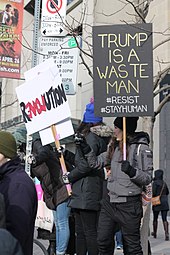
[[34, 63]]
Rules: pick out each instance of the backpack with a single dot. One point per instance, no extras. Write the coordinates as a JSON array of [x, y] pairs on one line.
[[147, 189]]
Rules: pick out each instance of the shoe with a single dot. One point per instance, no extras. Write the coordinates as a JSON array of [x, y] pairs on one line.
[[118, 247]]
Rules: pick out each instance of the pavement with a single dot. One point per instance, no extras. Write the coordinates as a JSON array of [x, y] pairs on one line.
[[158, 245]]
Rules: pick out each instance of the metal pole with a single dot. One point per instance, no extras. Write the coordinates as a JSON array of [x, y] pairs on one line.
[[34, 63]]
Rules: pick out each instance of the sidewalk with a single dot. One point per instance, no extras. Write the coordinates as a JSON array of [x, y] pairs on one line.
[[158, 245]]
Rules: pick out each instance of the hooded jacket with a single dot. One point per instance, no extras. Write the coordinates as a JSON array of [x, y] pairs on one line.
[[87, 183], [156, 189], [120, 185], [20, 202]]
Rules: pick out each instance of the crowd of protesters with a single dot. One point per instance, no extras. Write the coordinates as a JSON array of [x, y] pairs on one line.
[[107, 181]]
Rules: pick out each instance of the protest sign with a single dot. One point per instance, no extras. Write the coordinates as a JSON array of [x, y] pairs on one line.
[[123, 70], [64, 129], [43, 101], [11, 19]]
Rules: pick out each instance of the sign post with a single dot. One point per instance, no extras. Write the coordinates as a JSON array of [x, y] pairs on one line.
[[62, 162]]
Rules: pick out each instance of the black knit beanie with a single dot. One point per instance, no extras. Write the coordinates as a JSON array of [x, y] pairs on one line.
[[131, 124], [8, 145]]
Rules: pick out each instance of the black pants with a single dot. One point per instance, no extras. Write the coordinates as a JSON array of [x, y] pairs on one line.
[[127, 216], [163, 215], [86, 232]]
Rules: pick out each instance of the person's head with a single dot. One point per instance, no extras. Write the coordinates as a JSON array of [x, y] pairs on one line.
[[89, 116], [8, 146], [131, 125], [89, 119], [158, 174], [8, 8]]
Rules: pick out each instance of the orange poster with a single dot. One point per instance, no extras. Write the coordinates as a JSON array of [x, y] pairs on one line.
[[11, 18]]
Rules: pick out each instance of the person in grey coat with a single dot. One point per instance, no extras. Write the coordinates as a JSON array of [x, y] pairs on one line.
[[158, 185], [123, 204]]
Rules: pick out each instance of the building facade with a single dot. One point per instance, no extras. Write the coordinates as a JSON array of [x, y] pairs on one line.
[[81, 16]]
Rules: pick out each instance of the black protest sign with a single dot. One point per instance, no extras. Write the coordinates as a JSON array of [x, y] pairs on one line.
[[123, 70]]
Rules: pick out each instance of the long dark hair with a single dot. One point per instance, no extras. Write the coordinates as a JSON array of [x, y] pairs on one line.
[[112, 146]]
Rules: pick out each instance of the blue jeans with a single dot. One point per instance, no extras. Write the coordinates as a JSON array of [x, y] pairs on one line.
[[62, 227], [119, 238]]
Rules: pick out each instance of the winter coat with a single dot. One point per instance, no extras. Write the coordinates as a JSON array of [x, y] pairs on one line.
[[46, 167], [87, 183], [20, 202], [2, 212], [156, 189], [8, 244], [120, 185]]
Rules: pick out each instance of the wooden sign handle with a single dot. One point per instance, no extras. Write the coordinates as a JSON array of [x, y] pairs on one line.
[[62, 162], [124, 138]]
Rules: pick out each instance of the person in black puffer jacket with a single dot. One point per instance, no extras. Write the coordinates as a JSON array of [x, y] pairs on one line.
[[87, 184], [163, 207], [46, 167]]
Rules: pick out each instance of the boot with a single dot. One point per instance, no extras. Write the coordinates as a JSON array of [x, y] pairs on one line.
[[52, 248], [166, 228], [155, 226]]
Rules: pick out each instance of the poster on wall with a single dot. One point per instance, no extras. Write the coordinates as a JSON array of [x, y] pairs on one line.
[[11, 18], [123, 80]]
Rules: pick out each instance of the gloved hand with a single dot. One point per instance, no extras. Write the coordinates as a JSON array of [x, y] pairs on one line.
[[81, 141], [128, 169], [59, 151], [65, 178], [31, 159]]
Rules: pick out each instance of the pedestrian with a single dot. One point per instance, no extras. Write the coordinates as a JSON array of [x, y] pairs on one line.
[[19, 194], [55, 192], [160, 186], [123, 204], [87, 184]]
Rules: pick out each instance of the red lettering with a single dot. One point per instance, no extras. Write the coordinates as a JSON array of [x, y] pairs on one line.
[[36, 107]]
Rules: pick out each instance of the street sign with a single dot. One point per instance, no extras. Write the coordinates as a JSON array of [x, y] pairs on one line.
[[53, 17], [65, 54]]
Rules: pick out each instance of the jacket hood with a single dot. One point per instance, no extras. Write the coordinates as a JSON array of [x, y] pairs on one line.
[[158, 174], [102, 130], [139, 137], [9, 166]]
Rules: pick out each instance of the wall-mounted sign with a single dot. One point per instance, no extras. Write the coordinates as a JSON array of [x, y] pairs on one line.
[[53, 17], [64, 51], [11, 18]]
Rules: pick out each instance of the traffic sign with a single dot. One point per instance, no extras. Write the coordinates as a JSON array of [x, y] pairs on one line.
[[53, 17], [65, 54]]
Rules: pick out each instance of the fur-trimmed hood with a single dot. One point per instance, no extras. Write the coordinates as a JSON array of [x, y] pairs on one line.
[[102, 130]]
